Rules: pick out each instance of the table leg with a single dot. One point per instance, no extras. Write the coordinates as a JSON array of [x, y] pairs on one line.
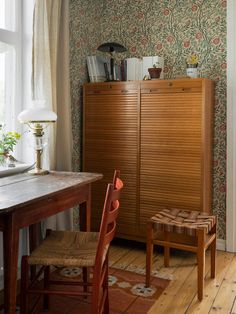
[[10, 252], [34, 235], [85, 225], [85, 213]]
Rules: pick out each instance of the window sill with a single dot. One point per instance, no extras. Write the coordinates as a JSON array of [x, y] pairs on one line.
[[7, 171]]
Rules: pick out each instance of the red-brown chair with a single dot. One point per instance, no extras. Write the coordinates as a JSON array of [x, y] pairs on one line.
[[75, 249]]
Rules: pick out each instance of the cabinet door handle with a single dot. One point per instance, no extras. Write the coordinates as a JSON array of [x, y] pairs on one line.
[[96, 92], [124, 91], [170, 84], [153, 90]]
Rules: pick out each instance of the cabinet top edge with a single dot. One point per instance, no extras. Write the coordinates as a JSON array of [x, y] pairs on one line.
[[112, 83], [150, 81]]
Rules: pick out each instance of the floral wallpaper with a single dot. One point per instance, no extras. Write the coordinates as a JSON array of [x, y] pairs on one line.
[[173, 29]]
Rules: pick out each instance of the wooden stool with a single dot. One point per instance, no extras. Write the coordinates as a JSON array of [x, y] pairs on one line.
[[197, 227]]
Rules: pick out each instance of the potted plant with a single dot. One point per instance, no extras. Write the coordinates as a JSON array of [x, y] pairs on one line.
[[192, 64], [7, 142], [155, 72]]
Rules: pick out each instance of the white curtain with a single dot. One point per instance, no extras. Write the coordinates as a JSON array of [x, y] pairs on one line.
[[50, 82]]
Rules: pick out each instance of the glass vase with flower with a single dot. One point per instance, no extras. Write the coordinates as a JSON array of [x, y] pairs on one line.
[[192, 66]]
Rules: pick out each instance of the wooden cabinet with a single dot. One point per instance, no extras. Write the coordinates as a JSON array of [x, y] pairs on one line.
[[159, 134]]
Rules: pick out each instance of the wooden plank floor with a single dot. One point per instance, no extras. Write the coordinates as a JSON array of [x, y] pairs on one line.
[[180, 296]]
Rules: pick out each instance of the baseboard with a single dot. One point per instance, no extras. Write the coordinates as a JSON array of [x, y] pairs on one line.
[[220, 244]]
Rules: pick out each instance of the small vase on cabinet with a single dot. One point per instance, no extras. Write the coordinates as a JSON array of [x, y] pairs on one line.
[[192, 70]]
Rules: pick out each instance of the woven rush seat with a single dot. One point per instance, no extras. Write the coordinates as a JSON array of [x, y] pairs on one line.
[[66, 248], [181, 221]]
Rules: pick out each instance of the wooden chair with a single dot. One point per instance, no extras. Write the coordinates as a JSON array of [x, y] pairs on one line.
[[185, 230], [75, 249]]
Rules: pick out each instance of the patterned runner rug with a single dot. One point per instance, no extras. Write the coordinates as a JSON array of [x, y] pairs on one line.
[[127, 293]]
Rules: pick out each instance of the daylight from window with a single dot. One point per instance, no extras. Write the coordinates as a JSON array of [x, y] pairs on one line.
[[8, 44], [2, 74], [7, 81], [2, 14], [7, 16]]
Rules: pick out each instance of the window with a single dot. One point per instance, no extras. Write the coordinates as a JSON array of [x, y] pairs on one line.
[[16, 18], [10, 62], [7, 78], [8, 14], [16, 28]]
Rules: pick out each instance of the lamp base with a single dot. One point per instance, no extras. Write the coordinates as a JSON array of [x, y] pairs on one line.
[[38, 171]]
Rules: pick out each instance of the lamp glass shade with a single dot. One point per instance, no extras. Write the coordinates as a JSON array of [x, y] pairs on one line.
[[37, 114]]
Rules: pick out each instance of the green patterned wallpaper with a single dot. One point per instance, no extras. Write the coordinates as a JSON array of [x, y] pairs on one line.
[[170, 28]]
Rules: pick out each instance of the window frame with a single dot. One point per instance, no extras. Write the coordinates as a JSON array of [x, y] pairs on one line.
[[14, 38], [21, 38]]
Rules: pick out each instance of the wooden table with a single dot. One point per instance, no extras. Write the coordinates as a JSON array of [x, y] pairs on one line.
[[25, 200]]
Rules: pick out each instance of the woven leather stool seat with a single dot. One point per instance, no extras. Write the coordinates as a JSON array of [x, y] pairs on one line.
[[192, 231], [180, 221]]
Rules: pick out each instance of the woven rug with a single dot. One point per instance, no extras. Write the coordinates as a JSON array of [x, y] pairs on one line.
[[127, 291]]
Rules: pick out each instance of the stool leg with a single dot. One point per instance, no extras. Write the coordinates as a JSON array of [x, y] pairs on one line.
[[149, 253], [166, 249], [213, 254], [201, 261]]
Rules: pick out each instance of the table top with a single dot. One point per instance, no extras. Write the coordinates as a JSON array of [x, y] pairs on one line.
[[19, 190]]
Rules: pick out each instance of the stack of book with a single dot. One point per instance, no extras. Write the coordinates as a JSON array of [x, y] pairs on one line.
[[98, 68], [130, 69], [133, 69]]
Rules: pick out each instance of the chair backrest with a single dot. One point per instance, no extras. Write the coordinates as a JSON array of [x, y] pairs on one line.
[[108, 222]]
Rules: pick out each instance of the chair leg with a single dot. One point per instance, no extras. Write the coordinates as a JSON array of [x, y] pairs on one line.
[[46, 297], [105, 288], [24, 286], [95, 298], [86, 274], [166, 249], [149, 253], [201, 262]]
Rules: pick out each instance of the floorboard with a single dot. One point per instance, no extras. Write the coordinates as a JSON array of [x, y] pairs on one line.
[[180, 297]]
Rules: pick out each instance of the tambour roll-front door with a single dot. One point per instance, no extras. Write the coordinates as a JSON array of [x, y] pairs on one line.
[[111, 142], [170, 150]]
